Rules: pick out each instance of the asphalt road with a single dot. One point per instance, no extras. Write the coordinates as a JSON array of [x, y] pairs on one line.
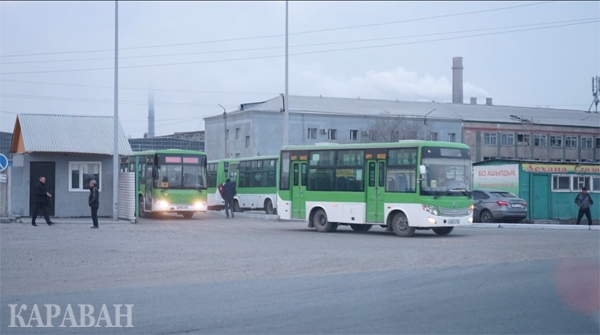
[[210, 275]]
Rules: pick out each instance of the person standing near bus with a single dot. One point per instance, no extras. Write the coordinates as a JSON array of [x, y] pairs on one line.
[[229, 192], [94, 202]]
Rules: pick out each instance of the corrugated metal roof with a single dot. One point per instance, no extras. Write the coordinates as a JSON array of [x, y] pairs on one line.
[[459, 112], [71, 134]]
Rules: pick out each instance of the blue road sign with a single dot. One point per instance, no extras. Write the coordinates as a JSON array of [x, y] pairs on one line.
[[3, 162]]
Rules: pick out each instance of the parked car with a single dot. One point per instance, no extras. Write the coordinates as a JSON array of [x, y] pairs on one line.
[[498, 206]]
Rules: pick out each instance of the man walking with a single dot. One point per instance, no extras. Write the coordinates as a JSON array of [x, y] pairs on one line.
[[41, 202], [94, 202], [228, 193], [584, 201]]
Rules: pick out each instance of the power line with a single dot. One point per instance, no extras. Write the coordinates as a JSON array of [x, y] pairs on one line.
[[300, 45], [304, 53], [133, 88], [279, 35], [126, 102]]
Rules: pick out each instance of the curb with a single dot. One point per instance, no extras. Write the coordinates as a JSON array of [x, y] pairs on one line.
[[533, 226]]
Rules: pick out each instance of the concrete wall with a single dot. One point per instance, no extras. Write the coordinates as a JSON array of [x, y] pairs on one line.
[[67, 203], [266, 131]]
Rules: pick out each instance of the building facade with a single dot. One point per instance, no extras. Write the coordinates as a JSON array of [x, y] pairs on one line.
[[46, 145], [183, 140]]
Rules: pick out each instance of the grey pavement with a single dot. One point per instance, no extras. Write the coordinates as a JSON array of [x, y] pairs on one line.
[[253, 276]]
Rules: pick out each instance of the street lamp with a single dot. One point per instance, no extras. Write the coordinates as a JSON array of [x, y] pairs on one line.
[[425, 124], [224, 128]]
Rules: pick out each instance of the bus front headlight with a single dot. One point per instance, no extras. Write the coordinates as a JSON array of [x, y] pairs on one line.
[[431, 209], [163, 203], [199, 204]]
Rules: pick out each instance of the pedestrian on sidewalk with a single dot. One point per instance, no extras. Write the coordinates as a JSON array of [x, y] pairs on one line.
[[94, 202], [42, 199], [584, 201]]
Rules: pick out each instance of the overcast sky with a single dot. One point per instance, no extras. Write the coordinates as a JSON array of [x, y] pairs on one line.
[[233, 53]]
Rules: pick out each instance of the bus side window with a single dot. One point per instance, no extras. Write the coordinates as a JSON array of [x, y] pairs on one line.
[[381, 174], [296, 175], [303, 179], [372, 174]]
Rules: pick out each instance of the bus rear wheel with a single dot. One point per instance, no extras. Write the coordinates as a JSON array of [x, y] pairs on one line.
[[361, 227], [269, 207], [236, 206], [187, 215], [401, 227], [443, 231], [321, 223]]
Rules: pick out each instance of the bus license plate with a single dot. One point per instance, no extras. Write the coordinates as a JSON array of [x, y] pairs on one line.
[[453, 221], [182, 207]]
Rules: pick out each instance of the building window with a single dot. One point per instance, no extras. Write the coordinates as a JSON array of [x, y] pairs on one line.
[[353, 135], [507, 139], [372, 136], [433, 136], [596, 184], [312, 133], [561, 183], [237, 155], [571, 142], [237, 133], [580, 182], [523, 139], [587, 142], [597, 142], [487, 158], [490, 139], [451, 137], [81, 173], [247, 141], [396, 136], [332, 134], [556, 141], [539, 140]]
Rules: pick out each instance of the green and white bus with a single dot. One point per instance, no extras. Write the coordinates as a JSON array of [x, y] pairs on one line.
[[402, 186], [255, 181], [169, 181]]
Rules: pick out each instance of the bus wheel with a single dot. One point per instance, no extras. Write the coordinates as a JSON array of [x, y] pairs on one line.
[[187, 215], [360, 227], [401, 227], [269, 207], [236, 206], [141, 207], [321, 222], [443, 231]]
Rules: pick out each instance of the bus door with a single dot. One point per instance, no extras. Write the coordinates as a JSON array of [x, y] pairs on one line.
[[148, 190], [375, 188], [298, 189]]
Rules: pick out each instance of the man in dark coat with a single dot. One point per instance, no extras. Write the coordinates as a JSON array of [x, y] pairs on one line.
[[42, 197], [94, 202], [584, 201], [228, 193]]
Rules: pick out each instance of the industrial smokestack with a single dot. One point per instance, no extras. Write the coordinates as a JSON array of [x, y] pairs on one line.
[[457, 80], [151, 115], [473, 101]]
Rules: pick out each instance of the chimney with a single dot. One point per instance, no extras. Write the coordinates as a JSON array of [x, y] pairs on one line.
[[488, 101], [457, 80], [473, 101], [151, 115]]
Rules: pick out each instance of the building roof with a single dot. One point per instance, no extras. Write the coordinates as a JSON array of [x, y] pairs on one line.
[[67, 134], [433, 110]]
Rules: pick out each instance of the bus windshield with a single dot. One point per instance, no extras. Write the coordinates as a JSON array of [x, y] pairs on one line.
[[176, 172], [448, 172]]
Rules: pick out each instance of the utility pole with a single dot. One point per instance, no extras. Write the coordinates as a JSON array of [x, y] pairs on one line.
[[116, 121], [224, 128], [286, 118]]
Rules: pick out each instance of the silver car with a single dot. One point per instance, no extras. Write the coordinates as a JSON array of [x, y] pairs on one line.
[[498, 206]]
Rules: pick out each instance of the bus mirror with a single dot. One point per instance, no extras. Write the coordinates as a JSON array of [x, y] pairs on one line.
[[423, 169]]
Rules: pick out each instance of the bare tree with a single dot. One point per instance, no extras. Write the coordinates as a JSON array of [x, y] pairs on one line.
[[391, 128]]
